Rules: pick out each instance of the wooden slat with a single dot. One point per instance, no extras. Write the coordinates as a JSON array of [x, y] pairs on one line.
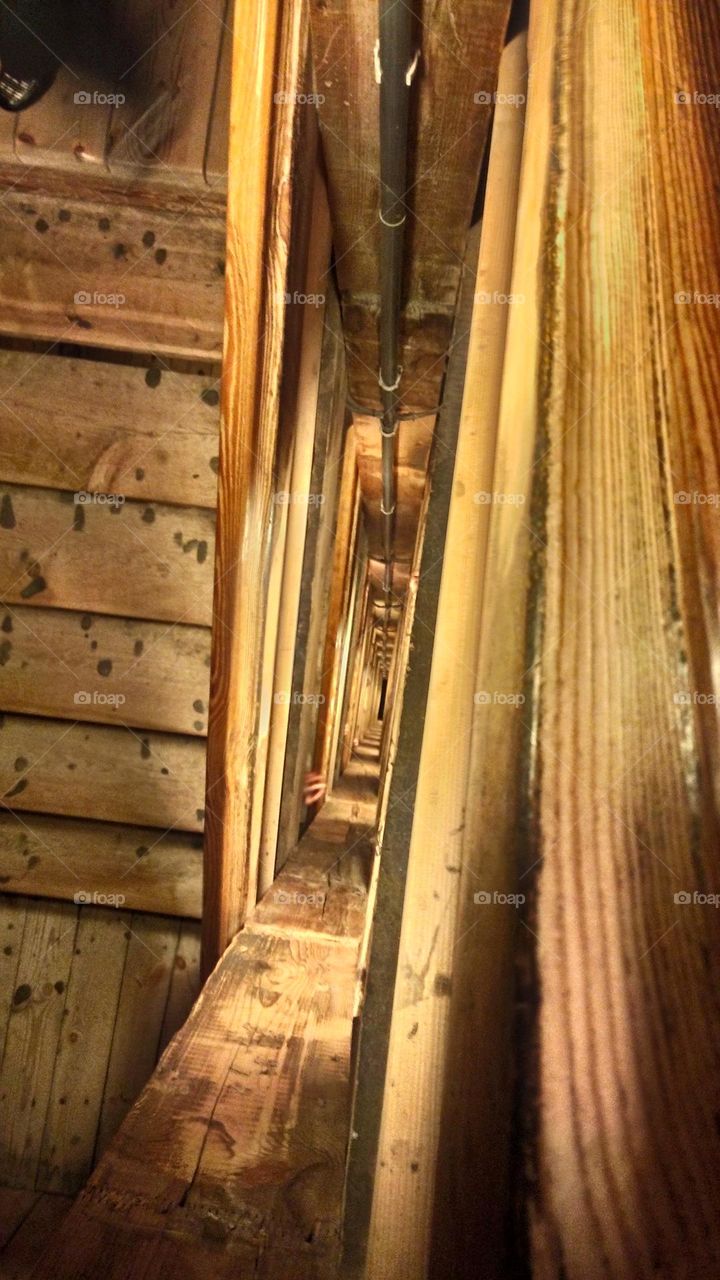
[[61, 857], [164, 260], [58, 131], [184, 982], [145, 432], [35, 1014], [15, 1205], [260, 163], [91, 771], [163, 123], [83, 1049], [216, 154], [160, 675], [140, 1012], [143, 561], [12, 927]]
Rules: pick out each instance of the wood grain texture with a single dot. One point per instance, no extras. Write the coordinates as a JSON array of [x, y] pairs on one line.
[[54, 857], [68, 250], [93, 771], [33, 1234], [258, 238], [127, 558], [147, 432], [90, 987], [625, 822], [55, 663], [233, 1157]]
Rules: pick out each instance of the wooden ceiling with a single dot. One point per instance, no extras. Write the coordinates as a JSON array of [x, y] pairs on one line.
[[455, 82]]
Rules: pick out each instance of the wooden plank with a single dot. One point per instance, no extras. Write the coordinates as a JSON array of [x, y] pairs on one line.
[[12, 927], [35, 1234], [146, 432], [410, 711], [162, 123], [82, 1050], [59, 553], [103, 268], [140, 1012], [91, 771], [60, 131], [459, 52], [184, 982], [624, 822], [216, 153], [260, 151], [15, 1205], [36, 1017], [62, 857], [55, 663], [443, 1149]]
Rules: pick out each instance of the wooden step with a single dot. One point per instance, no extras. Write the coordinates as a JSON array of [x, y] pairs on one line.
[[126, 558], [144, 430], [78, 861], [91, 771], [86, 666]]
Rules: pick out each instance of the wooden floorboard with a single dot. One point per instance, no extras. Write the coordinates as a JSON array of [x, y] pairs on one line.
[[233, 1157], [21, 1247]]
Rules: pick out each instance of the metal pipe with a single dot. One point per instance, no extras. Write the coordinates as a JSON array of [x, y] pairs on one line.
[[396, 65]]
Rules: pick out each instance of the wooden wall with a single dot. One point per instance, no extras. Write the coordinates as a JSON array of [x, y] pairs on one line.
[[111, 313]]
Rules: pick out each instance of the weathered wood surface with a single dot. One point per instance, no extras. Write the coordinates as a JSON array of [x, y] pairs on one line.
[[166, 66], [127, 558], [441, 1185], [97, 266], [55, 857], [459, 51], [235, 1152], [146, 431], [77, 986], [94, 771], [29, 1222], [271, 52], [624, 835], [83, 666]]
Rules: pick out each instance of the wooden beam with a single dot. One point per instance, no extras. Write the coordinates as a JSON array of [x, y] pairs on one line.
[[397, 816], [266, 51]]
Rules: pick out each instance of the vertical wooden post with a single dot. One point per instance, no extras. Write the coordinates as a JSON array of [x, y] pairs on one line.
[[267, 54]]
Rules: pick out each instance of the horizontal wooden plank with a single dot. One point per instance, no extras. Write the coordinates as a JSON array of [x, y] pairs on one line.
[[101, 269], [127, 558], [92, 771], [322, 889], [146, 431], [69, 859], [86, 666]]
